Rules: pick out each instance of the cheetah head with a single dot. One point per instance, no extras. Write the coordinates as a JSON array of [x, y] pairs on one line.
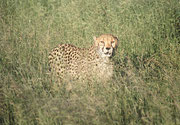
[[106, 44]]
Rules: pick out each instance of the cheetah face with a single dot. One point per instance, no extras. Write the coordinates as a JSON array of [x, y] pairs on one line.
[[106, 45]]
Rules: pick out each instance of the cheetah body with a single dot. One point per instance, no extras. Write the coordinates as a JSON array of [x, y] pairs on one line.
[[69, 61]]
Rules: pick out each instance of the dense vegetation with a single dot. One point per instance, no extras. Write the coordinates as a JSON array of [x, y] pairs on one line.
[[146, 85]]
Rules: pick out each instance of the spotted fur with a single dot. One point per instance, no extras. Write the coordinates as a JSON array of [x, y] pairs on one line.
[[69, 61]]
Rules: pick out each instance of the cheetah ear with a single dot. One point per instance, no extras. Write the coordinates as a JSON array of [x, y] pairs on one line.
[[116, 37], [94, 37], [116, 41], [95, 41]]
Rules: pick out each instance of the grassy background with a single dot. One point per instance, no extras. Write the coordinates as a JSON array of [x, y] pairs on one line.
[[146, 85]]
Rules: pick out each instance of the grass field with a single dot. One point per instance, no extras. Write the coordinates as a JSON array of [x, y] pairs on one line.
[[146, 85]]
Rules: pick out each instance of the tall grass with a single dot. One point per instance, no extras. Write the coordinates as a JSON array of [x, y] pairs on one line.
[[145, 88]]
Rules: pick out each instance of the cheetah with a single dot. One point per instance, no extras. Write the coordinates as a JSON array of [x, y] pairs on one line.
[[69, 61]]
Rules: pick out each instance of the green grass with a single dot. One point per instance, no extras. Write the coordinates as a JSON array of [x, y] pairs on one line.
[[146, 85]]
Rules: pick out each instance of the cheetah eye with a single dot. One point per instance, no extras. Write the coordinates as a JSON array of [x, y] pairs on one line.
[[102, 42], [112, 41]]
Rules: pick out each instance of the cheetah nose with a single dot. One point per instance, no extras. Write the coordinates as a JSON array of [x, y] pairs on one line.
[[108, 48]]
